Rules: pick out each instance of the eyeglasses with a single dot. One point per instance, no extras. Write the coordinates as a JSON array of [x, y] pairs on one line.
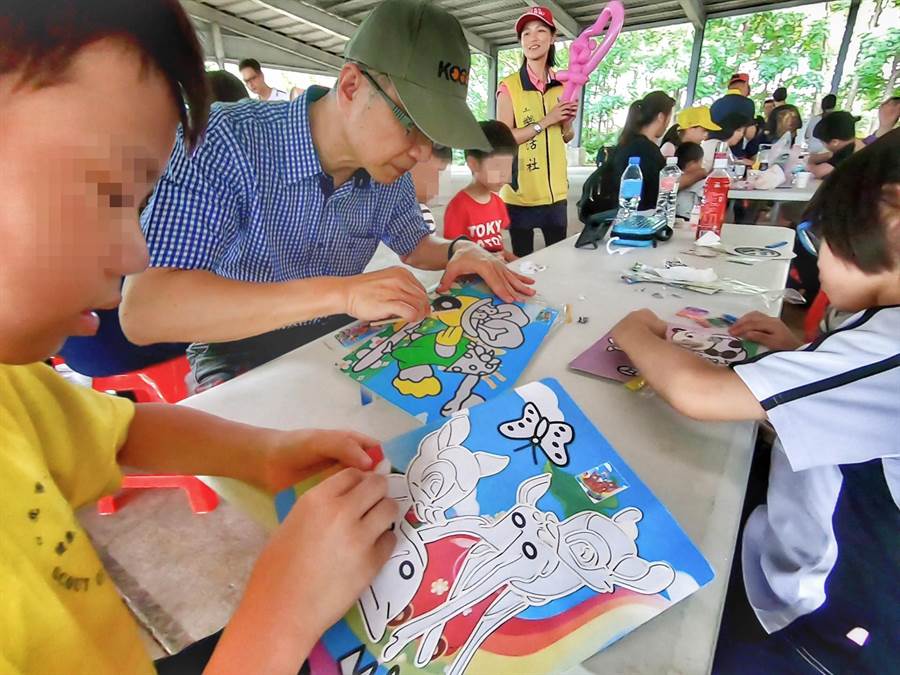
[[402, 116], [808, 238]]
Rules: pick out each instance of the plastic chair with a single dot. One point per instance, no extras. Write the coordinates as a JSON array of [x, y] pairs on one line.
[[200, 496], [814, 316], [160, 383]]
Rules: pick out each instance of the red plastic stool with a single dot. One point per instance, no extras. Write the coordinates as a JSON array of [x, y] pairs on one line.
[[159, 383], [201, 497], [814, 316]]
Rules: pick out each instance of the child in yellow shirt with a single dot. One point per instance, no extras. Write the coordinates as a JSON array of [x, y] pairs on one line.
[[90, 102]]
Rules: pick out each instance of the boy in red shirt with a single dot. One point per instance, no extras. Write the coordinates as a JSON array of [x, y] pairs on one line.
[[477, 212]]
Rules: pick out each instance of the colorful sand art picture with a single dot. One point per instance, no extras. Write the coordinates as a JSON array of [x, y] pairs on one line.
[[473, 346], [503, 562], [708, 338]]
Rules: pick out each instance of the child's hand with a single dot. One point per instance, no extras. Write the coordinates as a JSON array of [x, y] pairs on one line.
[[643, 317], [292, 456], [768, 331], [333, 543], [508, 256], [329, 548]]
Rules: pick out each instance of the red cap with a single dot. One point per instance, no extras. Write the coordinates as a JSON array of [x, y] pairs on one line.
[[740, 77], [535, 13]]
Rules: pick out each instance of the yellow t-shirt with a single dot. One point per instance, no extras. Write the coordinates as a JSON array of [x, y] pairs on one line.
[[59, 612]]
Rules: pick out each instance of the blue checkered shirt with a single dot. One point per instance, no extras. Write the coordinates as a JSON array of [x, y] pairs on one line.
[[254, 204]]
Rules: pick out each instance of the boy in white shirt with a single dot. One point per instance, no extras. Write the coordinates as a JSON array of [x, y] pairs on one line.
[[819, 558]]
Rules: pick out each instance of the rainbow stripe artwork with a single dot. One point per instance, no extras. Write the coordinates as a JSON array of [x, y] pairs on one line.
[[526, 545]]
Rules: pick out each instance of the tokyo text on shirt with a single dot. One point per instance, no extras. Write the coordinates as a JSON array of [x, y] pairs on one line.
[[482, 223]]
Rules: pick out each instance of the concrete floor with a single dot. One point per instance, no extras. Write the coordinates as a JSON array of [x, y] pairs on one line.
[[182, 574]]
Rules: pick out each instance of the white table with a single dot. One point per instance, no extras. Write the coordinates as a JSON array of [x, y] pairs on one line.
[[699, 471], [778, 195]]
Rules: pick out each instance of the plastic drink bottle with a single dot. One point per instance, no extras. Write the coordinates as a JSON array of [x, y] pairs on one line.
[[669, 178], [630, 187], [715, 194]]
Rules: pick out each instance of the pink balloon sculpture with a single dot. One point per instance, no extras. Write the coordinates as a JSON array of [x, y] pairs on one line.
[[585, 54]]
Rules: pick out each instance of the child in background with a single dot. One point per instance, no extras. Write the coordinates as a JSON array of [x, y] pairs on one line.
[[426, 178], [70, 230], [815, 579], [732, 132], [692, 126], [837, 131], [477, 212], [690, 161]]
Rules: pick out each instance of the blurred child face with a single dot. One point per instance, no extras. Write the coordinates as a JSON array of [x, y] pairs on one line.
[[79, 156], [694, 135], [426, 178], [492, 172]]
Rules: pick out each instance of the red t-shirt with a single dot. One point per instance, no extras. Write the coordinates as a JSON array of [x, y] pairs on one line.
[[482, 223]]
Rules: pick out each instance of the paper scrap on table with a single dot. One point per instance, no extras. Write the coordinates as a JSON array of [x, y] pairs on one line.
[[687, 273], [708, 238], [529, 267]]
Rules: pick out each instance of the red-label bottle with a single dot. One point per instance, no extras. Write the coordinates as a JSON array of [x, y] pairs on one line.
[[715, 195]]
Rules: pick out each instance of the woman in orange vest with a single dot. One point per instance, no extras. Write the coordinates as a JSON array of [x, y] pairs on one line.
[[528, 103]]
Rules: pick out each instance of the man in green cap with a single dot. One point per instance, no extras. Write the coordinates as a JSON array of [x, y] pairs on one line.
[[271, 222]]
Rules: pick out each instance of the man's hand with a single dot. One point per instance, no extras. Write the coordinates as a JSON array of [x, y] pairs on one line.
[[472, 259], [292, 456], [383, 294], [768, 331]]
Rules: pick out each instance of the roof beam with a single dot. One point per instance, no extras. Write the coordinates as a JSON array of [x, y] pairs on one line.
[[239, 48], [218, 45], [344, 28], [311, 16], [329, 61], [695, 11], [564, 21]]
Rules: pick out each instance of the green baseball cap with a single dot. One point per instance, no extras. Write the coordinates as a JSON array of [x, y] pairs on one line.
[[422, 48]]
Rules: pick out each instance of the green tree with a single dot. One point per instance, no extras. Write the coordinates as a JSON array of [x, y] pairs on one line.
[[874, 75], [779, 48], [478, 86]]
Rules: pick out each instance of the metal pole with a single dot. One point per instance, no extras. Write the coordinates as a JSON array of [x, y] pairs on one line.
[[845, 46], [218, 45], [695, 65], [492, 84]]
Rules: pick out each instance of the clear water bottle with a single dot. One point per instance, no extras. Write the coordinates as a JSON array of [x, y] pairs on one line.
[[630, 187], [669, 178]]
